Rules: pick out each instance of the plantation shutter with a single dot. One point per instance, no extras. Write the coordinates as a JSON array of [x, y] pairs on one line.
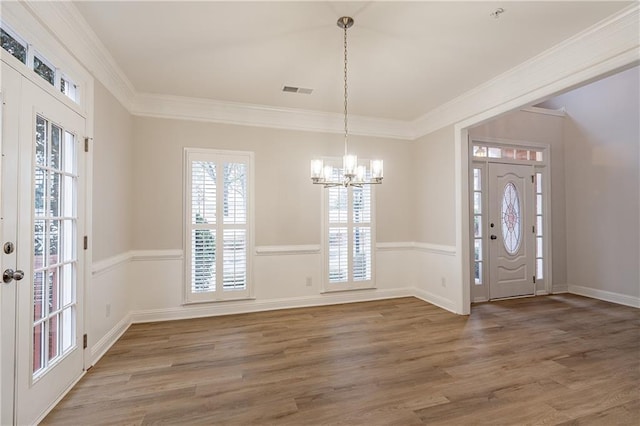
[[218, 238]]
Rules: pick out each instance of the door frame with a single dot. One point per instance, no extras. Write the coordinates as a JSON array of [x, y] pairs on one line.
[[480, 292], [20, 20]]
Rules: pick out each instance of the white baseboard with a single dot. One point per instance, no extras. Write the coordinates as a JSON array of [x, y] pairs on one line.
[[559, 288], [246, 306], [607, 296], [112, 336], [434, 299]]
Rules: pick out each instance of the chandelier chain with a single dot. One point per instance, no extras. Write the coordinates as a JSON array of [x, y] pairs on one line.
[[345, 91]]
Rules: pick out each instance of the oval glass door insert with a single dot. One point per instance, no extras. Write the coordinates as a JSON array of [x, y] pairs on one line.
[[511, 219]]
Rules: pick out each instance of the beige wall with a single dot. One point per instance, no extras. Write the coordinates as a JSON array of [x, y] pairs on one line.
[[112, 176], [433, 171], [287, 205], [545, 129], [602, 137]]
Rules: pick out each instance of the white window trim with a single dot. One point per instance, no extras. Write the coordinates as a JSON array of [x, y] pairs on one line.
[[328, 287], [479, 293], [195, 154]]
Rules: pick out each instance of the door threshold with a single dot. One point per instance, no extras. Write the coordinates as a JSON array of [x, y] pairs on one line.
[[522, 296]]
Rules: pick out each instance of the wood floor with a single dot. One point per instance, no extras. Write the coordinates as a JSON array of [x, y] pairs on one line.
[[560, 359]]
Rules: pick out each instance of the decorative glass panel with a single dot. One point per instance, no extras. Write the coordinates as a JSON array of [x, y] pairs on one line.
[[479, 151], [539, 269], [539, 204], [539, 247], [478, 273], [13, 46], [41, 141], [69, 89], [43, 70], [511, 219], [68, 334], [478, 250], [495, 152], [69, 161], [67, 285], [38, 347], [539, 183], [38, 298], [539, 225], [522, 154], [477, 226], [56, 136], [477, 202], [508, 153], [477, 180], [53, 337]]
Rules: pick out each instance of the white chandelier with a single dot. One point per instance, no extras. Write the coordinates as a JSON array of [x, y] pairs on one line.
[[353, 174]]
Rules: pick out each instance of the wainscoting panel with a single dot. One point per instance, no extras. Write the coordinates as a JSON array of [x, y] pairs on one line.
[[108, 303]]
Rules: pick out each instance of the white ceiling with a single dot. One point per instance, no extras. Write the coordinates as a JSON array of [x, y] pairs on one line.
[[405, 58]]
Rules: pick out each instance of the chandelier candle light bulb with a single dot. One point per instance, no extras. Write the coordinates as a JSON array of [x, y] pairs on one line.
[[352, 173]]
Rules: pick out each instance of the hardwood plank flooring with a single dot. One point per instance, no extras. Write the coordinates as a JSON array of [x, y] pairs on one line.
[[560, 359]]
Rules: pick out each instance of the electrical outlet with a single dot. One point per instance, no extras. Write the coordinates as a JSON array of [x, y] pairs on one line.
[[309, 281], [108, 310]]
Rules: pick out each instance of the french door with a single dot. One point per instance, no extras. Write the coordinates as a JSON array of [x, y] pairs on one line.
[[511, 230], [42, 255]]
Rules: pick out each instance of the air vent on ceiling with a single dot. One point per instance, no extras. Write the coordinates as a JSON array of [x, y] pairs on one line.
[[292, 89]]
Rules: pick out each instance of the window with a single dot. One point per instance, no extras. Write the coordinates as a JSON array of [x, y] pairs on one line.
[[44, 69], [348, 237], [54, 233], [477, 226], [539, 228], [218, 232], [13, 45], [510, 153], [24, 52]]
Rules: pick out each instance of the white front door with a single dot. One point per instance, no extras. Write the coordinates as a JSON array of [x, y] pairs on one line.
[[42, 216], [511, 225]]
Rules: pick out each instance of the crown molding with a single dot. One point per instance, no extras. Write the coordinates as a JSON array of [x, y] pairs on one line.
[[603, 48], [561, 112], [199, 109], [68, 25]]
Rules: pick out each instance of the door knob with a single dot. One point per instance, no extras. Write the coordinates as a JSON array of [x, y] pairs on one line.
[[493, 237], [9, 274]]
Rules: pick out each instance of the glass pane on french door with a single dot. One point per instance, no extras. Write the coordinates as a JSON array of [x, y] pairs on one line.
[[55, 217]]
